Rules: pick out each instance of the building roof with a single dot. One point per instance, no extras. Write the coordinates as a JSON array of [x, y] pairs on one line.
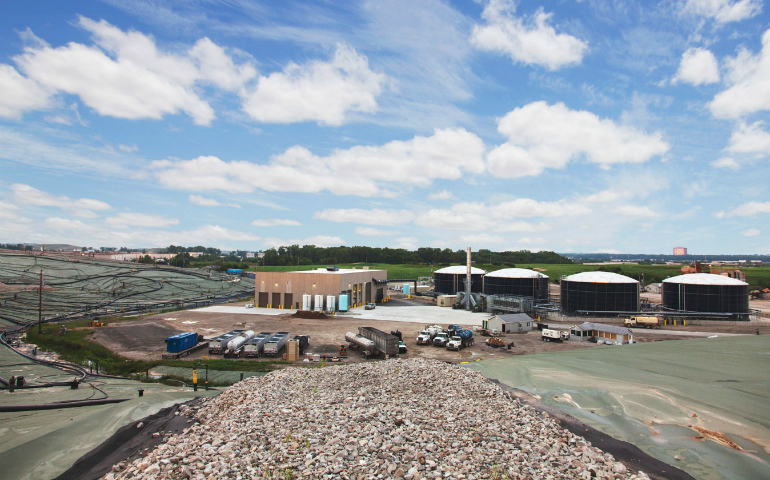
[[603, 328], [600, 277], [460, 270], [704, 279], [335, 272], [516, 273], [515, 318]]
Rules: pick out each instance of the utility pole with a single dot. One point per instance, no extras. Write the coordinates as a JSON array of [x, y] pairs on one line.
[[40, 305], [468, 281]]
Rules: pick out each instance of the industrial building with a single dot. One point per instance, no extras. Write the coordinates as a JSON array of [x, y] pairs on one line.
[[285, 289], [510, 323], [707, 293], [450, 280], [601, 293], [680, 251], [517, 281], [613, 334]]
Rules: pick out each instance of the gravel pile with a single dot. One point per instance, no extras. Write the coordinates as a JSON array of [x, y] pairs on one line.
[[407, 419]]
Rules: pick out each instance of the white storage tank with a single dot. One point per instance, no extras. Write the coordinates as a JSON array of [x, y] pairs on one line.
[[330, 303], [306, 302], [319, 303]]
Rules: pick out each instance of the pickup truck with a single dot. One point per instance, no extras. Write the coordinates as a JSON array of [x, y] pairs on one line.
[[550, 335], [440, 340], [646, 322]]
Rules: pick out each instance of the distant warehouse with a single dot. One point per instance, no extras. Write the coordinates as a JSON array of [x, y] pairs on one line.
[[285, 289]]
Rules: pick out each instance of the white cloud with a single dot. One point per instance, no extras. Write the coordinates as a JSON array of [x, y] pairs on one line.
[[407, 243], [751, 232], [550, 136], [123, 220], [125, 75], [725, 162], [529, 41], [128, 148], [442, 195], [698, 67], [635, 211], [374, 216], [19, 94], [374, 232], [83, 207], [747, 76], [745, 210], [276, 222], [724, 11], [447, 154], [481, 239], [210, 202], [318, 91], [750, 139]]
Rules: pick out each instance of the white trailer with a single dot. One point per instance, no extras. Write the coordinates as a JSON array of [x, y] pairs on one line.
[[319, 303], [235, 346], [306, 300], [550, 335], [330, 303]]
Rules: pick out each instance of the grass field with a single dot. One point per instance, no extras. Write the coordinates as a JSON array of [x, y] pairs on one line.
[[757, 277]]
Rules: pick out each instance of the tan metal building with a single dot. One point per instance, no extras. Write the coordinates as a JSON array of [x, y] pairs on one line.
[[285, 289]]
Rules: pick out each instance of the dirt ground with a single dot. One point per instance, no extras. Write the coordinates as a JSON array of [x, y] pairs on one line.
[[145, 339]]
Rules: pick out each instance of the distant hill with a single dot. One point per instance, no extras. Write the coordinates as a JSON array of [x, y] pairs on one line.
[[54, 246]]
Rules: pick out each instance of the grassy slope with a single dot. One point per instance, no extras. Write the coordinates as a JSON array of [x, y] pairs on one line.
[[755, 276]]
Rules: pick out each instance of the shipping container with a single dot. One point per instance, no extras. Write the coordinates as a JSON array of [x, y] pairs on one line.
[[181, 341]]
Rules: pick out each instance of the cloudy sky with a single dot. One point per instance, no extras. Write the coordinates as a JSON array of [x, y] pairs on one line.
[[582, 126]]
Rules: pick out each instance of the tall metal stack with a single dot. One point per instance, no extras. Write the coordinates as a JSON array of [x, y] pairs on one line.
[[468, 281]]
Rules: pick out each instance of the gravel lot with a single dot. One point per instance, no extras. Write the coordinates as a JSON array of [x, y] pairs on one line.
[[407, 419]]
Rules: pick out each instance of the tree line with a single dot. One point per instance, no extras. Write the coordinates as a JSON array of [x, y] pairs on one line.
[[312, 255]]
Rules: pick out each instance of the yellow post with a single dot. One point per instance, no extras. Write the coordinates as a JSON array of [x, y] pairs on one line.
[[195, 379], [684, 323]]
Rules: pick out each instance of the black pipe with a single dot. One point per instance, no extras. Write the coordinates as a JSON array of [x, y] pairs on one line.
[[56, 406]]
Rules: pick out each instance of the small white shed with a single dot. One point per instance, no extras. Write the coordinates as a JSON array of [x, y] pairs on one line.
[[510, 323]]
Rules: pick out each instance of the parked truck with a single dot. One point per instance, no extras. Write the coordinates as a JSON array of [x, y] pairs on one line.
[[275, 343], [304, 341], [367, 346], [441, 339], [461, 339], [646, 322], [426, 336], [235, 346], [218, 344], [551, 335], [255, 346]]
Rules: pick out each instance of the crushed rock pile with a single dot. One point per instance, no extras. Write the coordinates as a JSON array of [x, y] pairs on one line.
[[409, 419]]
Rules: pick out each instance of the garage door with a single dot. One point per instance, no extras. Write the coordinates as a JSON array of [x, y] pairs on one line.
[[276, 300], [288, 300], [262, 301]]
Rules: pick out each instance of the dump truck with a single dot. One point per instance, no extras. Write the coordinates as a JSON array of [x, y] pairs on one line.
[[646, 322], [551, 335], [304, 341], [254, 346], [218, 344], [460, 340], [275, 343], [385, 344], [453, 329]]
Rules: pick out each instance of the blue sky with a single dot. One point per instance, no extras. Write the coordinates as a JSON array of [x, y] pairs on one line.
[[578, 126]]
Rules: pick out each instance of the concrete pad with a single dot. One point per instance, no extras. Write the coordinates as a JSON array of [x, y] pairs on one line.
[[241, 310], [423, 314], [411, 313]]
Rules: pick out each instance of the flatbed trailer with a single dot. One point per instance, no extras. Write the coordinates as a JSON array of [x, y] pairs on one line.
[[255, 346], [183, 353], [275, 343]]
